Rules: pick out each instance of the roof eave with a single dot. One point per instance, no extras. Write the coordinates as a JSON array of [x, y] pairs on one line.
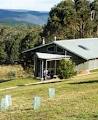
[[37, 47]]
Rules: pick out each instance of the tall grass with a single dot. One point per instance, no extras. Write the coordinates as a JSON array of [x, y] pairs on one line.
[[5, 71]]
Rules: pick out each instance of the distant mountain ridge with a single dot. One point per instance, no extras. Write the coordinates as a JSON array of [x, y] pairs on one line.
[[25, 16]]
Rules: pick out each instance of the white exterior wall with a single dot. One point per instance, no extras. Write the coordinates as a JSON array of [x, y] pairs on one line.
[[89, 65], [93, 64], [82, 67]]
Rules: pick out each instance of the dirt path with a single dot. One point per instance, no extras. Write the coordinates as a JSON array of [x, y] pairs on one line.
[[37, 83]]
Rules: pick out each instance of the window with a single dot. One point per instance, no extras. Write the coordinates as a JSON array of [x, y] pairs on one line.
[[51, 49], [60, 50]]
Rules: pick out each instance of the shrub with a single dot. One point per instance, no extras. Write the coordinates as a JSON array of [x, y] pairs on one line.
[[11, 75], [66, 69]]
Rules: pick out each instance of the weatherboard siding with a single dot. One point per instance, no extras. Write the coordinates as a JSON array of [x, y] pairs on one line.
[[93, 64], [82, 66], [88, 65]]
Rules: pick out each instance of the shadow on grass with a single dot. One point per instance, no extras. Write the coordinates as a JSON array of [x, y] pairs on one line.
[[95, 116], [20, 85], [84, 82], [2, 81]]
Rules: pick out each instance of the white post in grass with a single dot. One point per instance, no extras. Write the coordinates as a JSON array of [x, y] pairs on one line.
[[36, 103], [2, 104], [51, 92], [6, 102]]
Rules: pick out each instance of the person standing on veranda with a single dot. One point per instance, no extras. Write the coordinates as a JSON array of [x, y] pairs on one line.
[[45, 74]]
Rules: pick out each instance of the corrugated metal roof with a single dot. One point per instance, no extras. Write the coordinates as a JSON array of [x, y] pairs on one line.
[[86, 48], [48, 56]]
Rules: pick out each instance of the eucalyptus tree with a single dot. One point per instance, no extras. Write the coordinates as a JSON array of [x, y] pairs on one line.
[[94, 16], [60, 17], [71, 19]]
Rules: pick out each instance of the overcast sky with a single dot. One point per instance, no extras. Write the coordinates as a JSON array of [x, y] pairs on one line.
[[39, 5]]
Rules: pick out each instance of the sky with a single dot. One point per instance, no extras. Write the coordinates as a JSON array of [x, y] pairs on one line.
[[38, 5]]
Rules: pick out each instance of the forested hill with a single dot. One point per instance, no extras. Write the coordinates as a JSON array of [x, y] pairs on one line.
[[72, 19], [16, 39], [23, 16]]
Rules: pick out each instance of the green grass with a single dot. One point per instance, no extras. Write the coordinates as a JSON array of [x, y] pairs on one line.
[[96, 70], [76, 99], [17, 82]]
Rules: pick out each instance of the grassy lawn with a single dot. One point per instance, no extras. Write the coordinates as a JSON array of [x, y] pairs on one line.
[[17, 82], [76, 99], [20, 78]]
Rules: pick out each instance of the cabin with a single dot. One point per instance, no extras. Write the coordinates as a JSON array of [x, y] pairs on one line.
[[84, 52]]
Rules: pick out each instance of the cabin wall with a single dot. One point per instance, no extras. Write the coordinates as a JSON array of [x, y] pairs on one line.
[[82, 67], [93, 64], [88, 65]]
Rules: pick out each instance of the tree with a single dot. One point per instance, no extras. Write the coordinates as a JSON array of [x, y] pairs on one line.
[[94, 16], [2, 53], [70, 19], [83, 18], [16, 39], [77, 5], [59, 19]]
